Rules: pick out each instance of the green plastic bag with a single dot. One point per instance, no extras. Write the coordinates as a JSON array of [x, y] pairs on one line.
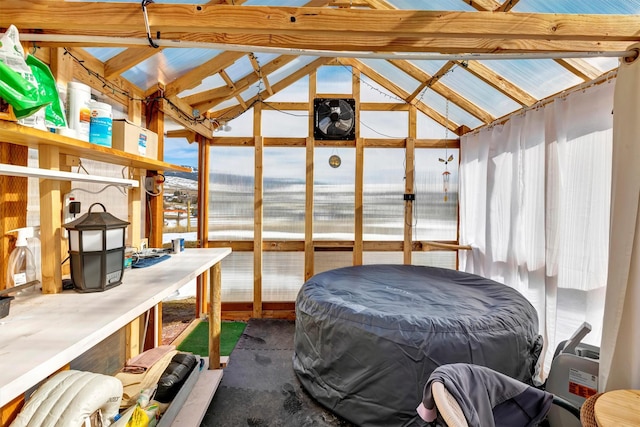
[[21, 94], [54, 113]]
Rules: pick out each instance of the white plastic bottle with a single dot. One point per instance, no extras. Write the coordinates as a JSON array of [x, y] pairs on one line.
[[21, 267]]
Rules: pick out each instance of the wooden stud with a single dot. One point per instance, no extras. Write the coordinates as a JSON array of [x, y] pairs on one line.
[[50, 222], [155, 123], [359, 178], [408, 205], [204, 148], [258, 212], [215, 312]]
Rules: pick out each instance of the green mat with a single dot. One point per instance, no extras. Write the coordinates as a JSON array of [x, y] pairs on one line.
[[197, 342]]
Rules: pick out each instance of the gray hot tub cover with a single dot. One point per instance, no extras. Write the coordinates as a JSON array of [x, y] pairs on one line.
[[368, 337]]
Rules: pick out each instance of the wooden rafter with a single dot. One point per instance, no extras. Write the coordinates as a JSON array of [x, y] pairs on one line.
[[256, 67], [580, 68], [240, 86], [483, 5], [432, 83], [507, 6], [127, 59], [399, 92], [236, 110]]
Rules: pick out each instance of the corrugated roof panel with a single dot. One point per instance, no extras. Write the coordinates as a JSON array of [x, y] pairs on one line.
[[239, 69], [604, 64], [479, 93], [371, 91], [288, 69], [456, 114], [167, 65], [392, 73], [430, 67], [431, 4], [208, 83], [583, 6], [539, 77], [104, 53]]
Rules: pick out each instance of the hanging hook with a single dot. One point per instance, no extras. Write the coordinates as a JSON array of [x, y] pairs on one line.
[[146, 22]]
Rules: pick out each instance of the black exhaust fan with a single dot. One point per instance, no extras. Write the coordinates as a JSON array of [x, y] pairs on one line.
[[335, 118]]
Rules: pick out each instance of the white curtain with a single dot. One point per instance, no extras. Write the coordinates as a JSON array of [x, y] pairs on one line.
[[620, 353], [534, 205]]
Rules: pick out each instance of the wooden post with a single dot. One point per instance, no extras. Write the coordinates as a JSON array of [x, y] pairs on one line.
[[359, 184], [308, 204], [258, 208], [215, 314], [408, 205], [50, 222], [155, 123], [202, 282]]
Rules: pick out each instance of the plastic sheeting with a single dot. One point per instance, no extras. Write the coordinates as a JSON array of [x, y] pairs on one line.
[[368, 337]]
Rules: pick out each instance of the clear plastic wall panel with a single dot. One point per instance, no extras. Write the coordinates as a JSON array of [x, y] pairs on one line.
[[289, 68], [428, 128], [333, 194], [371, 91], [383, 210], [284, 193], [329, 260], [295, 92], [334, 79], [167, 65], [369, 258], [231, 188], [435, 218], [237, 125], [282, 275], [479, 93], [281, 123], [572, 6], [456, 114], [384, 124], [431, 5], [430, 67], [237, 277], [538, 77], [392, 73], [443, 259]]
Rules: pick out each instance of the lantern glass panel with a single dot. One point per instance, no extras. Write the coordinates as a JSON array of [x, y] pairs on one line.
[[115, 238]]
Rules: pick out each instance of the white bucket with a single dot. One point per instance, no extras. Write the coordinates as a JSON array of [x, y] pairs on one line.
[[101, 124], [78, 112]]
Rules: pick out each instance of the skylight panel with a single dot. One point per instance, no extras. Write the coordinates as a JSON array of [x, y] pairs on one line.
[[479, 93], [167, 65], [104, 53], [239, 69], [623, 7], [392, 73], [290, 68], [539, 77], [457, 5]]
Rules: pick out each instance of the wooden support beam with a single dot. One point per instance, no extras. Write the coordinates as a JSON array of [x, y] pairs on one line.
[[409, 189], [359, 178], [126, 59], [580, 68], [50, 222], [193, 78], [215, 315], [309, 254], [203, 298], [257, 69], [155, 215], [483, 5]]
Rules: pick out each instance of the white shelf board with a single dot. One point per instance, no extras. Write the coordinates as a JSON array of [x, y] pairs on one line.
[[42, 333], [14, 170]]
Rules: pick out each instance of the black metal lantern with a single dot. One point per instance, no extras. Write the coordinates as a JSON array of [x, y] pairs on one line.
[[96, 249]]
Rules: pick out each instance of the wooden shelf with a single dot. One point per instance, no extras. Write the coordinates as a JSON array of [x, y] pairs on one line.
[[34, 138]]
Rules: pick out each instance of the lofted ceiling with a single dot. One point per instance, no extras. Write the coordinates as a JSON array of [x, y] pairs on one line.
[[211, 60]]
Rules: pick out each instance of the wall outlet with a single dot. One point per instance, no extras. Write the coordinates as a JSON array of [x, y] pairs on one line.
[[68, 214]]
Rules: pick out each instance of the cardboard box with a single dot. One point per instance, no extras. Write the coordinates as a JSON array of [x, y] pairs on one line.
[[134, 139]]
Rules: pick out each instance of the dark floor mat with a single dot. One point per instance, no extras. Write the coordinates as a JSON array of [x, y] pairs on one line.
[[259, 387]]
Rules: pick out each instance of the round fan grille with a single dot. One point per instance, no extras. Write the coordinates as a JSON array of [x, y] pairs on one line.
[[334, 118]]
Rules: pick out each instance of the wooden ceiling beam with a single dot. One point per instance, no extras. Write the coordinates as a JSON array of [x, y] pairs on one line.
[[340, 23], [399, 92], [353, 42], [507, 6], [193, 78]]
